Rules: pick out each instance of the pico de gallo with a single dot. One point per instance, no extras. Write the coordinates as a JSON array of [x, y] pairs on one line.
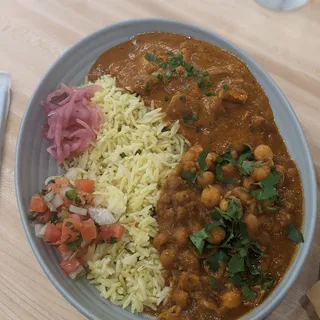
[[65, 216]]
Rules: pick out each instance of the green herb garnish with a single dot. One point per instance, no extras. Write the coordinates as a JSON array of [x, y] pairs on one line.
[[225, 86], [214, 284], [190, 117], [71, 194], [267, 189], [202, 160], [74, 245], [191, 177], [246, 167], [157, 75], [183, 98], [294, 234], [151, 57], [198, 239], [210, 94]]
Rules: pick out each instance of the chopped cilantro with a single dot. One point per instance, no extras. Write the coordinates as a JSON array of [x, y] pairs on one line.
[[246, 154], [213, 262], [157, 75], [163, 65], [191, 177], [236, 264], [294, 234], [150, 56], [206, 73], [225, 86], [32, 215], [247, 292], [202, 160], [214, 284], [170, 53], [168, 75], [183, 98], [246, 167], [74, 245], [190, 117], [71, 194], [267, 187], [112, 240], [210, 94], [198, 129], [54, 217], [187, 87], [198, 239]]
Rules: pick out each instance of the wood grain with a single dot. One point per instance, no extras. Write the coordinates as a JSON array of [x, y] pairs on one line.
[[34, 33]]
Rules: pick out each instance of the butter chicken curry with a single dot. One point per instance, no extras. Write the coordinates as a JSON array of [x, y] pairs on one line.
[[229, 217]]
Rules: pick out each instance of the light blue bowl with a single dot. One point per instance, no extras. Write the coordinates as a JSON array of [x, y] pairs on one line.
[[33, 164]]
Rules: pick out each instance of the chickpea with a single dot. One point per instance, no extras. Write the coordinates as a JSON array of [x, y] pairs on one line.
[[159, 240], [197, 148], [189, 166], [283, 218], [229, 171], [167, 258], [224, 204], [180, 297], [292, 173], [252, 207], [252, 224], [210, 196], [218, 234], [248, 183], [205, 179], [241, 194], [231, 299], [262, 152], [206, 305], [260, 173], [189, 261], [183, 196], [190, 155], [211, 158], [181, 236]]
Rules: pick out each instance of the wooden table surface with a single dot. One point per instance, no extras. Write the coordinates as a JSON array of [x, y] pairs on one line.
[[34, 33]]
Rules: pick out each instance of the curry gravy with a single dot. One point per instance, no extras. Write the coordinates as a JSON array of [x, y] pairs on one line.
[[218, 103]]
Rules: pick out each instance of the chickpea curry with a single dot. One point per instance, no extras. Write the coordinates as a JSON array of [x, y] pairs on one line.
[[229, 216]]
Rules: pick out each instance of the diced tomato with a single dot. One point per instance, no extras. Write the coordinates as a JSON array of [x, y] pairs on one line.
[[53, 187], [99, 238], [70, 266], [115, 230], [88, 230], [70, 230], [38, 204], [63, 248], [59, 226], [84, 185], [62, 182], [76, 217], [52, 233], [82, 254]]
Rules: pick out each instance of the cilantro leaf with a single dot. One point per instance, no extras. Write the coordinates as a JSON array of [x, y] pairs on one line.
[[150, 56], [189, 176], [226, 157], [267, 187], [214, 284], [71, 194], [198, 239], [246, 167], [294, 234], [213, 225], [190, 117], [202, 160], [247, 292], [268, 281], [74, 245], [246, 154], [236, 279], [216, 215], [236, 264], [213, 262]]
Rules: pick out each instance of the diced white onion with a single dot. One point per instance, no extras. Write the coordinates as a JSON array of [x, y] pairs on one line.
[[63, 190], [101, 216], [57, 201], [98, 199], [76, 272], [49, 196], [40, 229], [81, 211], [48, 180], [72, 173]]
